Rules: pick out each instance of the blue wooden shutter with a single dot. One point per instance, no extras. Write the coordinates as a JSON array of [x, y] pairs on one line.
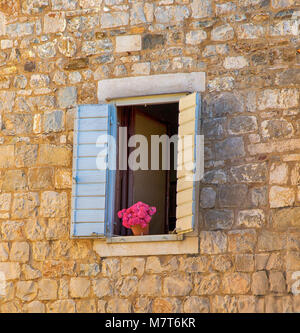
[[93, 191], [187, 184]]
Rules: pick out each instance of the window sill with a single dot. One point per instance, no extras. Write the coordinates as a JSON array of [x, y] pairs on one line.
[[148, 238], [139, 246]]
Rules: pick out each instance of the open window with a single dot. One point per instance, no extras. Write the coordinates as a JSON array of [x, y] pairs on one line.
[[97, 195]]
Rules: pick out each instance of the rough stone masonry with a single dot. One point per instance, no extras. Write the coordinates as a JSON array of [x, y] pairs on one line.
[[52, 55]]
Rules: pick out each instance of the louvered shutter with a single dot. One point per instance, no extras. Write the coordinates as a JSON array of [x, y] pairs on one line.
[[189, 151], [93, 191]]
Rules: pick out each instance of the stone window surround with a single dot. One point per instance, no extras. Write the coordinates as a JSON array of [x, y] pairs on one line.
[[118, 89]]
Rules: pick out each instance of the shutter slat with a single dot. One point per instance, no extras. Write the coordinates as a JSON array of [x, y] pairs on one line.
[[86, 137], [93, 189], [187, 196], [89, 202], [93, 124], [91, 176], [92, 229], [90, 189], [92, 215]]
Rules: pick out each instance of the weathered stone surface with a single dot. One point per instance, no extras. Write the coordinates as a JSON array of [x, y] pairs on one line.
[[67, 97], [271, 241], [215, 177], [151, 41], [279, 173], [62, 306], [114, 19], [19, 252], [195, 37], [79, 287], [230, 148], [224, 304], [276, 98], [4, 251], [7, 100], [150, 285], [195, 304], [26, 290], [26, 155], [17, 124], [127, 286], [236, 283], [250, 31], [102, 287], [244, 262], [249, 173], [40, 250], [250, 304], [222, 33], [12, 230], [30, 273], [214, 128], [55, 155], [232, 195], [40, 178], [207, 284], [128, 43], [35, 307], [47, 290], [201, 8], [161, 264], [131, 266], [242, 241], [54, 204], [142, 305], [276, 128], [235, 62], [47, 50], [25, 205], [213, 242], [242, 124], [166, 305], [86, 306], [6, 156], [5, 201], [169, 14], [277, 282], [260, 284], [118, 305], [208, 197], [111, 267], [252, 218], [219, 219], [10, 270], [53, 121], [54, 22], [63, 178], [258, 196], [280, 196], [177, 285]]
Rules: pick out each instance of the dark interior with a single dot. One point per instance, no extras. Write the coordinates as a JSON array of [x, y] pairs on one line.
[[153, 187]]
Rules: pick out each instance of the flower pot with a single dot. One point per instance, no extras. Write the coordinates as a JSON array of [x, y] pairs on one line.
[[137, 230]]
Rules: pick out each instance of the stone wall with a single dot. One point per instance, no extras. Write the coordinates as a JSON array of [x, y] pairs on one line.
[[53, 53]]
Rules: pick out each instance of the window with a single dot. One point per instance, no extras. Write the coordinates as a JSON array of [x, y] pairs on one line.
[[155, 187], [98, 194]]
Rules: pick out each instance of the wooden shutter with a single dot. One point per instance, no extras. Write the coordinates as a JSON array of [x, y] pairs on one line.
[[93, 191], [187, 187]]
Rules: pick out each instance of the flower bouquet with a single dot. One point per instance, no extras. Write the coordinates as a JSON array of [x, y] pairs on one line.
[[137, 218]]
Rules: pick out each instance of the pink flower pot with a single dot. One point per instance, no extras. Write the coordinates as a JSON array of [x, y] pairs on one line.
[[139, 231]]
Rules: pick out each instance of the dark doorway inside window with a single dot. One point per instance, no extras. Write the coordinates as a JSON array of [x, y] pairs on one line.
[[154, 187]]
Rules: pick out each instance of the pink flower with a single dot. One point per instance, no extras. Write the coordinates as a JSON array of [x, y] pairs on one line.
[[138, 214]]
